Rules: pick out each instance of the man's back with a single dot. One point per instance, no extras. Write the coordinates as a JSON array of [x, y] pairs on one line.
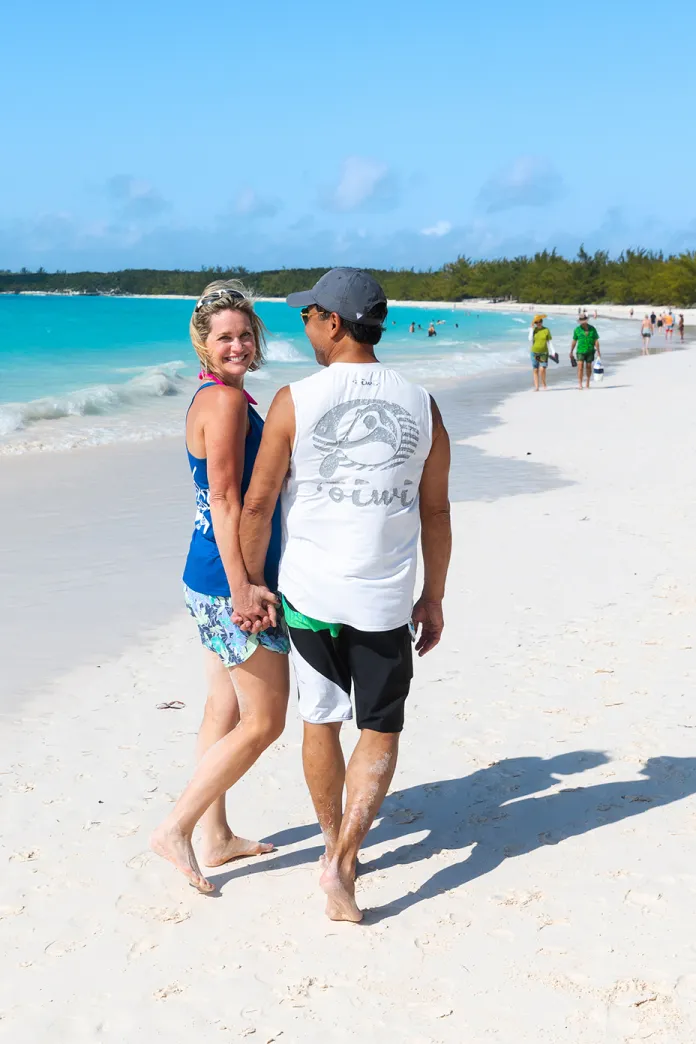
[[350, 503]]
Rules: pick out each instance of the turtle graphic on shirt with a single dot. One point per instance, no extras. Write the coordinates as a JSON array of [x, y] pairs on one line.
[[367, 434]]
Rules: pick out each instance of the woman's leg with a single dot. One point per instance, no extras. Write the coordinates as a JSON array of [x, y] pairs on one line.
[[262, 692], [218, 844]]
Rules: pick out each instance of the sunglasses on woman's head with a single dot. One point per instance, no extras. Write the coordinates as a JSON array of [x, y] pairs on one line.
[[216, 295]]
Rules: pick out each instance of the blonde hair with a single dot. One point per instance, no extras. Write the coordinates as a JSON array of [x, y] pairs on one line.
[[199, 327]]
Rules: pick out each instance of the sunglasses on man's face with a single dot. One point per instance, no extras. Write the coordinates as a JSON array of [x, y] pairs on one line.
[[235, 295], [307, 314]]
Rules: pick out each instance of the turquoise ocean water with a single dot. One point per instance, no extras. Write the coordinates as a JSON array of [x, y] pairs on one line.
[[88, 370]]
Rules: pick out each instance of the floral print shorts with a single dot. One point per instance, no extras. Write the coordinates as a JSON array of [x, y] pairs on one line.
[[213, 614]]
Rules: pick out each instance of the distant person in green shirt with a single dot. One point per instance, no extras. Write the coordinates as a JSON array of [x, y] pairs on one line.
[[540, 339], [585, 345]]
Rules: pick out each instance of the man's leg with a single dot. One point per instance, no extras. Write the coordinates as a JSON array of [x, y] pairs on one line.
[[542, 370], [535, 373], [370, 771], [381, 666], [581, 370], [325, 773], [323, 683]]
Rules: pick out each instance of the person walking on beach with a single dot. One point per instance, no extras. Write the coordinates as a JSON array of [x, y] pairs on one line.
[[653, 319], [366, 457], [681, 326], [646, 334], [247, 672], [669, 325], [540, 338], [585, 345]]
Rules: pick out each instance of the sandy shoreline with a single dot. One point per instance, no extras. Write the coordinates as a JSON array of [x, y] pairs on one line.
[[106, 529], [475, 304], [604, 311], [529, 876]]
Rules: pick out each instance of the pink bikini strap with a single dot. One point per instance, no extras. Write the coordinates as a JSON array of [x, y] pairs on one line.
[[211, 377]]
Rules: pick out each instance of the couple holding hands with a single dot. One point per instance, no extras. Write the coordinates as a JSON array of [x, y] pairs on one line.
[[305, 542]]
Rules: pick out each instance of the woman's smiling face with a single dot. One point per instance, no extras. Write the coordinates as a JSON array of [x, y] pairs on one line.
[[230, 344]]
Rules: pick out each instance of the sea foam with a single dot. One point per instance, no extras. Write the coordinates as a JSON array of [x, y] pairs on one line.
[[151, 382]]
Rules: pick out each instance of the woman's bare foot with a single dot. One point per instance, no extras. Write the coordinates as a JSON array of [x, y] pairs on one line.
[[170, 842], [340, 896], [224, 850]]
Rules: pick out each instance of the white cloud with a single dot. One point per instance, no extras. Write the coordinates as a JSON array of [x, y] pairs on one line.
[[363, 183], [529, 181], [133, 197], [440, 228], [250, 204]]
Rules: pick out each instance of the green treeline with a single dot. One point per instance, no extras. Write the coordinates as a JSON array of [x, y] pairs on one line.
[[634, 277]]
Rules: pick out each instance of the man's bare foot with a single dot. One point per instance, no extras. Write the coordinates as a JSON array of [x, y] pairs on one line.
[[324, 862], [171, 843], [217, 853], [340, 896]]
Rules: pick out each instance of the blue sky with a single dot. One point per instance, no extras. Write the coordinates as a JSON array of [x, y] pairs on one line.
[[311, 133]]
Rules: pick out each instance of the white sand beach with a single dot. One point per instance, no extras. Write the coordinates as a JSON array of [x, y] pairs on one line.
[[604, 311], [531, 877]]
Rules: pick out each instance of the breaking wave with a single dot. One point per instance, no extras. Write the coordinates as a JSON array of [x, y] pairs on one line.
[[151, 383]]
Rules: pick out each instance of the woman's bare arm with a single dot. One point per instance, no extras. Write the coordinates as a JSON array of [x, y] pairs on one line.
[[224, 432]]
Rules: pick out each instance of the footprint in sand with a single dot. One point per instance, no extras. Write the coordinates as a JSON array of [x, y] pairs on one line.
[[127, 831], [137, 862], [168, 991], [140, 947], [518, 898], [163, 914], [10, 911], [405, 815], [57, 948], [24, 857], [647, 901]]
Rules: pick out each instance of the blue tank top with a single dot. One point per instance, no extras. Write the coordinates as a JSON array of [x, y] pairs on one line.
[[204, 571]]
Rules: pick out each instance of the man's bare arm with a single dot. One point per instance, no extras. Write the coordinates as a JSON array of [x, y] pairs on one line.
[[436, 536], [270, 469]]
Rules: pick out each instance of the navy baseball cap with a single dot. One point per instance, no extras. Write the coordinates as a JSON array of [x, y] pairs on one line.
[[349, 292]]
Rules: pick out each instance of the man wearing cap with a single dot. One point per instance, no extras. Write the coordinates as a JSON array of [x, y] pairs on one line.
[[540, 339], [586, 338], [362, 458]]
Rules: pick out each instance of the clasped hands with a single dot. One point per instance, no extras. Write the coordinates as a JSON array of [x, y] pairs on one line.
[[255, 608]]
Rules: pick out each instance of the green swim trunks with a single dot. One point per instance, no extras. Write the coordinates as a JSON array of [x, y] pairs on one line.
[[307, 623]]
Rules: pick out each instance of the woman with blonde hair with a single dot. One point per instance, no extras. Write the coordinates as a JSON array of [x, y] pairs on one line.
[[247, 671]]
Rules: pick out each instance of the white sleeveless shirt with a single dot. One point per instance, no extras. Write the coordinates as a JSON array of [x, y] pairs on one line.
[[350, 504]]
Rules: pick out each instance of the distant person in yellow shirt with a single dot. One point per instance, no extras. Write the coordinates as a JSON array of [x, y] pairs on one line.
[[540, 340], [669, 325]]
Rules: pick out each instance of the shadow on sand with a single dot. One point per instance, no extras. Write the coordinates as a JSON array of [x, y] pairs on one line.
[[496, 813]]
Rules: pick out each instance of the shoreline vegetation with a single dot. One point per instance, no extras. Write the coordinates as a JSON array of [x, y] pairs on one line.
[[633, 277]]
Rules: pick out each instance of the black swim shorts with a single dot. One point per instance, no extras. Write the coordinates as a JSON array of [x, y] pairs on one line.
[[376, 665]]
